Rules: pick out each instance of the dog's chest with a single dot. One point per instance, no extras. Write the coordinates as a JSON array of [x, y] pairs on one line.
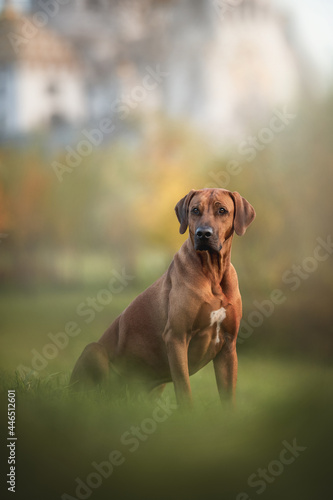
[[210, 321], [208, 335], [216, 319]]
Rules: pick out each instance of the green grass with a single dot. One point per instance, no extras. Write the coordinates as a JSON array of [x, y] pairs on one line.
[[209, 452], [28, 317]]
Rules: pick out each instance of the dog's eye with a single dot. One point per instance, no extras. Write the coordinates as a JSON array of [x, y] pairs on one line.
[[222, 210], [195, 211]]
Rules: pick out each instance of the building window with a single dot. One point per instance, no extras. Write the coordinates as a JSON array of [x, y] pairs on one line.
[[94, 4], [2, 82], [52, 88], [57, 120], [3, 123]]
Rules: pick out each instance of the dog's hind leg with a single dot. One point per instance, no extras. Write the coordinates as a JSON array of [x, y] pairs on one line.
[[92, 367]]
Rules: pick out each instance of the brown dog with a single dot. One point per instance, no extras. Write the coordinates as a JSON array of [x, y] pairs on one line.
[[190, 315]]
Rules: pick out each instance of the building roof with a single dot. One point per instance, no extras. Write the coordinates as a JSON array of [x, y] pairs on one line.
[[22, 40]]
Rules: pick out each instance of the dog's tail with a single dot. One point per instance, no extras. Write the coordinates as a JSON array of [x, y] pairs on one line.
[[92, 367]]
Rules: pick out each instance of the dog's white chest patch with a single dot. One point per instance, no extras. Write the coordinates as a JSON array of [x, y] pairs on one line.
[[217, 317]]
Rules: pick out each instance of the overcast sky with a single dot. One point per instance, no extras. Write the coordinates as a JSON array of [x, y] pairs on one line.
[[313, 22]]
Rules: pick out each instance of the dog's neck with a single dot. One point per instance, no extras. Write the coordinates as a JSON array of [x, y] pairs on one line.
[[214, 265]]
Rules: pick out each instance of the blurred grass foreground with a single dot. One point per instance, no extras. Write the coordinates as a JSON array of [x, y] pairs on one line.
[[95, 445]]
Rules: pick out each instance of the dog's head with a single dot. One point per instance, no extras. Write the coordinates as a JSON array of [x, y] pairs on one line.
[[212, 215]]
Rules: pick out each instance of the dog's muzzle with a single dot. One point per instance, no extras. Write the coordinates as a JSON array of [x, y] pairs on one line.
[[204, 239]]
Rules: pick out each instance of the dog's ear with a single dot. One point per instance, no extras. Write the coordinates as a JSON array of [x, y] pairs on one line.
[[244, 213], [182, 211]]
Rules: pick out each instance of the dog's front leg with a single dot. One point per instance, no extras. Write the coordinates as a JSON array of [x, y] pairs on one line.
[[177, 351], [225, 366]]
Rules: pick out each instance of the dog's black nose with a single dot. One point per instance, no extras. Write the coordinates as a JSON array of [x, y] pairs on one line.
[[204, 233]]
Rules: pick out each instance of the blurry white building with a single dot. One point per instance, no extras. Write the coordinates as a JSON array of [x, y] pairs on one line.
[[251, 67], [228, 63], [41, 80]]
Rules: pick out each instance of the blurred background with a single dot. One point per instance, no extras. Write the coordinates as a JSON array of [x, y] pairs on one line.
[[110, 112]]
